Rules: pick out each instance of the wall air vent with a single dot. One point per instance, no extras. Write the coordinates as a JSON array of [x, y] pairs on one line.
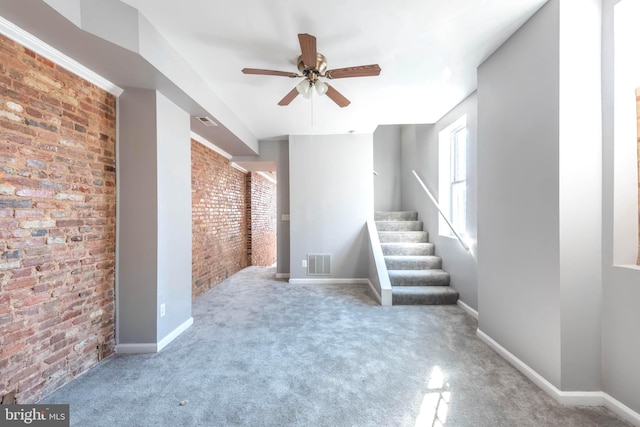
[[207, 121], [319, 265]]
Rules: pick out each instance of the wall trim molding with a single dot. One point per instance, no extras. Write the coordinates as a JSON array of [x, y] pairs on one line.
[[140, 348], [174, 334], [210, 145], [267, 177], [470, 311], [17, 34], [574, 398], [282, 275], [238, 167]]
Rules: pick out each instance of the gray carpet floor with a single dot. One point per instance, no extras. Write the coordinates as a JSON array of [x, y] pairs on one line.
[[263, 352]]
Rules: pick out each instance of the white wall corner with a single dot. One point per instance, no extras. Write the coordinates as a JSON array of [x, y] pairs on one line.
[[142, 348]]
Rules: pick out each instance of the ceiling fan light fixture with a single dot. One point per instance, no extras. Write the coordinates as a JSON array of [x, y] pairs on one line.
[[321, 87], [304, 88]]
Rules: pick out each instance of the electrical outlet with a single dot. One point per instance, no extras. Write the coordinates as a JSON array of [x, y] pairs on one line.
[[162, 310], [304, 263]]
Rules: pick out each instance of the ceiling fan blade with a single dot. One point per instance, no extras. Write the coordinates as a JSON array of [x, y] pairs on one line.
[[309, 50], [269, 72], [289, 97], [359, 71], [337, 97]]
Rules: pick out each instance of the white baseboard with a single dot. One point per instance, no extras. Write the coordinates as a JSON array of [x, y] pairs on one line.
[[374, 291], [174, 334], [577, 398], [329, 281], [139, 348], [470, 311], [622, 410], [282, 275]]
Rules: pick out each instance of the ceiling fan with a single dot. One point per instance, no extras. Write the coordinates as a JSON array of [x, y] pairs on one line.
[[313, 65]]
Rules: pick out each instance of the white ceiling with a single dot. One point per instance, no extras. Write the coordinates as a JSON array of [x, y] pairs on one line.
[[428, 51]]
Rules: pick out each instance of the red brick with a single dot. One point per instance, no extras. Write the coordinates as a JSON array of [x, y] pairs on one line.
[[37, 193], [219, 219], [36, 281]]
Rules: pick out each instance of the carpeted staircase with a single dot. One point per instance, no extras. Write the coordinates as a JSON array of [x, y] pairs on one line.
[[415, 273]]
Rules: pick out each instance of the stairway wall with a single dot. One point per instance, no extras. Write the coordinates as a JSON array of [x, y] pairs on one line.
[[387, 163], [419, 151]]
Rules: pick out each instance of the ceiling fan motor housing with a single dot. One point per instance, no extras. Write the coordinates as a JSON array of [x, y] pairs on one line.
[[312, 73]]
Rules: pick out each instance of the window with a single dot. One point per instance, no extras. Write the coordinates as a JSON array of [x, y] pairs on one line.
[[453, 176]]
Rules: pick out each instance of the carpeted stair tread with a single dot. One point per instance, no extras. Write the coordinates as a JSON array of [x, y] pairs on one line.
[[413, 262], [407, 248], [418, 278], [424, 295], [396, 216], [415, 272], [403, 236], [399, 225]]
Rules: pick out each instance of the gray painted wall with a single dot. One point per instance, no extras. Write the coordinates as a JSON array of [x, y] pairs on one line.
[[386, 162], [136, 241], [518, 194], [278, 151], [154, 211], [174, 215], [420, 152], [331, 196], [621, 290], [539, 159]]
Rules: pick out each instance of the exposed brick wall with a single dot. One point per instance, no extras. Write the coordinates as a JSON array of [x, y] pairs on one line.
[[57, 224], [219, 219], [262, 197]]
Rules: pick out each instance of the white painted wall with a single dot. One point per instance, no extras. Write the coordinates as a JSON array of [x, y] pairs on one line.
[[387, 163], [539, 200], [518, 195], [420, 152], [331, 198], [580, 184], [621, 287], [174, 215]]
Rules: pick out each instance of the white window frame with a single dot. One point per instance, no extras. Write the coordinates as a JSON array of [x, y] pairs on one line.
[[449, 163]]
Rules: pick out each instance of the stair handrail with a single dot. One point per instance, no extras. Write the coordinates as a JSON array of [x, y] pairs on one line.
[[435, 202]]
